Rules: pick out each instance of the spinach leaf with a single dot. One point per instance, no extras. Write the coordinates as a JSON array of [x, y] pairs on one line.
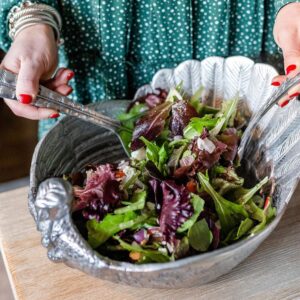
[[200, 237]]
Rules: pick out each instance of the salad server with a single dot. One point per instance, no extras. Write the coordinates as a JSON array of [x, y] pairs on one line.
[[274, 98], [47, 98]]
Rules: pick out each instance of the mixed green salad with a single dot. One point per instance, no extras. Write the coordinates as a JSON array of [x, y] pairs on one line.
[[181, 193]]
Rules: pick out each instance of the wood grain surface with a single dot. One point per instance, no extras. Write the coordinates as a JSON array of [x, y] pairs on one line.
[[272, 272]]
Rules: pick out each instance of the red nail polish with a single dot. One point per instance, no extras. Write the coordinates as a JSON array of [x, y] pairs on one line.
[[54, 116], [284, 103], [70, 75], [25, 99], [294, 95], [290, 68], [275, 83]]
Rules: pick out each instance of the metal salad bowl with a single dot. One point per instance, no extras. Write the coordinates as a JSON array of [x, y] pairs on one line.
[[274, 150]]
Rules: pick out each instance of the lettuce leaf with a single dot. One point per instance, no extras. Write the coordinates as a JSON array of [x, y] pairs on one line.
[[100, 232], [146, 255], [137, 203], [151, 125], [229, 213], [196, 126], [200, 237], [198, 205]]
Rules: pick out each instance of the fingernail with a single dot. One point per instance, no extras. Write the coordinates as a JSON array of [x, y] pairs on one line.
[[54, 116], [294, 95], [275, 83], [25, 99], [284, 103], [290, 68], [70, 75]]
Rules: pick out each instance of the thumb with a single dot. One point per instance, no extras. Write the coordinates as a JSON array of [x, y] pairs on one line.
[[28, 81], [290, 46]]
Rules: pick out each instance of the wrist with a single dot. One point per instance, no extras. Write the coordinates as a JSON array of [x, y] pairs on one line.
[[39, 30], [29, 14]]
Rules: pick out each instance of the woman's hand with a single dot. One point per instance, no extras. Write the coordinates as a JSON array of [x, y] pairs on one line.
[[34, 56], [287, 37]]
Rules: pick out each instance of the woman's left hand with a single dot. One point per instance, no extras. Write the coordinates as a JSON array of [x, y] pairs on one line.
[[287, 36]]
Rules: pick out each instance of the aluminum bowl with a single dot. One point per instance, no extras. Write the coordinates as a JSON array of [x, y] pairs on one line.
[[72, 144]]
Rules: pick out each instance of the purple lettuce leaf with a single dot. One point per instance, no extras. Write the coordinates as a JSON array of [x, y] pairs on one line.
[[151, 125], [100, 195], [230, 138], [176, 209], [205, 160], [182, 112], [151, 99]]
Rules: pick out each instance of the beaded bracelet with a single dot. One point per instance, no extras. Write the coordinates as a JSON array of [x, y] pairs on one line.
[[28, 14]]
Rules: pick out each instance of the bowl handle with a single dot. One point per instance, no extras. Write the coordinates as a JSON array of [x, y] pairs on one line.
[[59, 235]]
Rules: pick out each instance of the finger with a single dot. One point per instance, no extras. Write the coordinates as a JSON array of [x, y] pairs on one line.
[[291, 53], [28, 81], [64, 90], [62, 77], [278, 80], [30, 112]]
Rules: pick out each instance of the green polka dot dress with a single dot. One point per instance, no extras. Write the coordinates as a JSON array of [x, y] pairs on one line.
[[115, 46]]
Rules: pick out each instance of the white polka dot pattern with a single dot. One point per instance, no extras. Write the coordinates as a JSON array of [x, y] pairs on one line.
[[116, 46]]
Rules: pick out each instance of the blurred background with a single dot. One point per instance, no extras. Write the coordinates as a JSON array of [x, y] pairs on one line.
[[17, 142], [18, 138]]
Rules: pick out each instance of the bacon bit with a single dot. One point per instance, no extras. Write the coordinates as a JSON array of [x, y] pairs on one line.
[[135, 255], [119, 174], [192, 186], [267, 203]]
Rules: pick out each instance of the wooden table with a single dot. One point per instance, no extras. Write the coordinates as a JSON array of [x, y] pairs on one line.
[[273, 272]]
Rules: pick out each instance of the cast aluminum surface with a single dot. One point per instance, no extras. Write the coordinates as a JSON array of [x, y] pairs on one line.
[[72, 143]]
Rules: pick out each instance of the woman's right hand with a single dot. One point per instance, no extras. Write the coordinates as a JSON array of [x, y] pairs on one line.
[[34, 56]]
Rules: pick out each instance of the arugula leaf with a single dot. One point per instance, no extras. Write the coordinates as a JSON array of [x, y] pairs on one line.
[[138, 202], [229, 213], [200, 237], [229, 109], [149, 255], [135, 112], [126, 138], [198, 205], [100, 232], [251, 192], [218, 127], [158, 155], [196, 126], [244, 228], [257, 214], [195, 100], [175, 157], [183, 248], [175, 93], [226, 179]]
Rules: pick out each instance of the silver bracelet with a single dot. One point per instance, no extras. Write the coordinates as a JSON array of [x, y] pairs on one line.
[[28, 14]]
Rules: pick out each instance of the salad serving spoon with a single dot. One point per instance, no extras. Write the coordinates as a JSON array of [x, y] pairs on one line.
[[280, 92], [47, 98]]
